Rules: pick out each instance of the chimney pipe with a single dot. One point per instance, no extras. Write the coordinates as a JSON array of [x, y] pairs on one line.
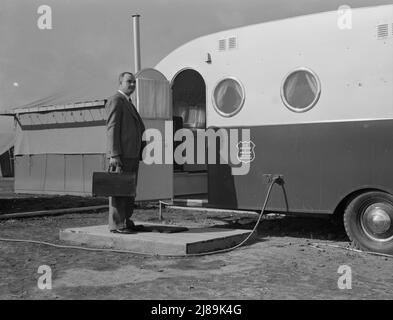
[[137, 46]]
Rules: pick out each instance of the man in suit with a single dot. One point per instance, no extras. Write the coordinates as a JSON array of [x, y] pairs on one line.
[[124, 147]]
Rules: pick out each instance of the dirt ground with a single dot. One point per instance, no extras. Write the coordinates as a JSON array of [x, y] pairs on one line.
[[283, 263], [11, 202]]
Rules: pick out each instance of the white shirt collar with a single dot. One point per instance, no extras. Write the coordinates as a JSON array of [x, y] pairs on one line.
[[127, 97]]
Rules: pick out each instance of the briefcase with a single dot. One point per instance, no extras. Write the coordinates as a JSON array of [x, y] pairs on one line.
[[112, 184]]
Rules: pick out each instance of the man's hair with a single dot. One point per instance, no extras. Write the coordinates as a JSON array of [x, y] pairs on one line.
[[121, 76]]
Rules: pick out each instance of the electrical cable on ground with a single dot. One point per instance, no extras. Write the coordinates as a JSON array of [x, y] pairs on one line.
[[275, 179], [352, 249], [49, 213]]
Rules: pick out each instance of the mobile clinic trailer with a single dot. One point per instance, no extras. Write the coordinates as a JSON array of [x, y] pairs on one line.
[[318, 101], [315, 98]]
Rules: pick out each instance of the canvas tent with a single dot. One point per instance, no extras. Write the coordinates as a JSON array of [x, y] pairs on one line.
[[60, 142]]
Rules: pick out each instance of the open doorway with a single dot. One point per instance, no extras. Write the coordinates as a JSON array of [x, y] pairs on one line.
[[189, 112]]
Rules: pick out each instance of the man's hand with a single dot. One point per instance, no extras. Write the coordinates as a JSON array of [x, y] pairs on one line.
[[115, 164]]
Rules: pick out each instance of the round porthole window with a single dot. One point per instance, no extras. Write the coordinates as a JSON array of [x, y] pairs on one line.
[[228, 97], [301, 90]]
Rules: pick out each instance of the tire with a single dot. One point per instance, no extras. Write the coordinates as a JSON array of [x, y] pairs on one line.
[[368, 221]]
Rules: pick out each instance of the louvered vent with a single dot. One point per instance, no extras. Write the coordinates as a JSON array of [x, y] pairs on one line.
[[222, 45], [382, 31], [232, 43]]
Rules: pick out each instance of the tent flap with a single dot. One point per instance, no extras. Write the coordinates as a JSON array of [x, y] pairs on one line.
[[81, 140], [7, 140], [61, 132]]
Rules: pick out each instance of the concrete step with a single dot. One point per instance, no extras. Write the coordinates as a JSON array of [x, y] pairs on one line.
[[193, 240]]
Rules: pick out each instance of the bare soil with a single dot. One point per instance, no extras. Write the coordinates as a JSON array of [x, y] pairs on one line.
[[289, 260], [12, 203]]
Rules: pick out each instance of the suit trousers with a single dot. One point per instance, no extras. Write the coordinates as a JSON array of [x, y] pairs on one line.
[[122, 208]]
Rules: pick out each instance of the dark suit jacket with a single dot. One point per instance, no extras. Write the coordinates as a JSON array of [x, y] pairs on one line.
[[124, 128]]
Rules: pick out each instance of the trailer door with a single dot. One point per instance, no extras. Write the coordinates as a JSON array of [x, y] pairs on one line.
[[153, 97]]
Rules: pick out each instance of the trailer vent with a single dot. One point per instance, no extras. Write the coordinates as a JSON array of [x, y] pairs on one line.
[[222, 45], [232, 43], [382, 31]]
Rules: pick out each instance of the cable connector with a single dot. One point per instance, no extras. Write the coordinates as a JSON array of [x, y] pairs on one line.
[[279, 179], [275, 178]]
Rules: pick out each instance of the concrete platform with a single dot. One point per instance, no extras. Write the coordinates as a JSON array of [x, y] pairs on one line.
[[194, 240]]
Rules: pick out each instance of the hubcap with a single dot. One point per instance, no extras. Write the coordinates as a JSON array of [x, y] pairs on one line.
[[376, 221]]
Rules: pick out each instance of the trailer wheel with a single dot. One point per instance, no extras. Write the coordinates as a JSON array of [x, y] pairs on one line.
[[368, 221]]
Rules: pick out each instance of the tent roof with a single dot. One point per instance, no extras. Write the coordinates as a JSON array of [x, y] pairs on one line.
[[43, 108], [92, 93], [81, 93]]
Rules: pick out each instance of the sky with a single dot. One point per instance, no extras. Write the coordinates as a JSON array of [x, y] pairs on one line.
[[90, 42]]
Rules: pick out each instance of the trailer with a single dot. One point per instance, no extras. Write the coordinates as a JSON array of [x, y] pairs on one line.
[[317, 100]]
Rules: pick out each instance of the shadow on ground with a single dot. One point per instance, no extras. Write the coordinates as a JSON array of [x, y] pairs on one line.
[[281, 226]]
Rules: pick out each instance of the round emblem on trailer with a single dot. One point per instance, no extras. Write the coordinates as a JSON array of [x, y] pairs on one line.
[[246, 152]]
